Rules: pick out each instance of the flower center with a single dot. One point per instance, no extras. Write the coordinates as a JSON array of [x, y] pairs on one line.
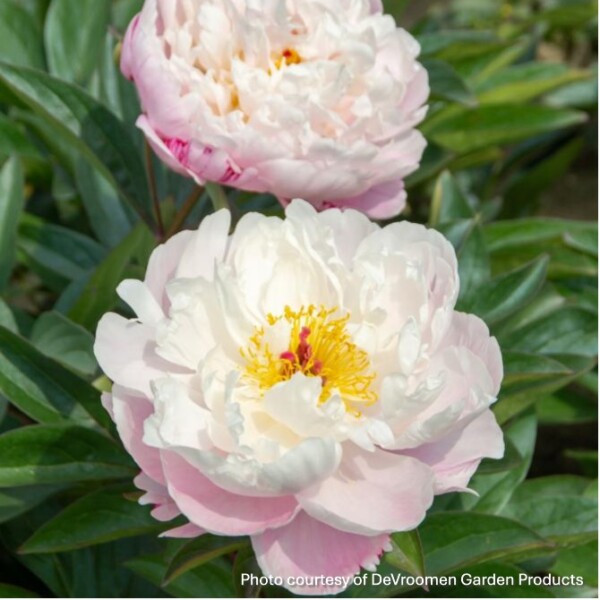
[[319, 346], [289, 56]]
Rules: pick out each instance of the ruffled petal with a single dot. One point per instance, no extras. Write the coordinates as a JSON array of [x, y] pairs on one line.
[[307, 548]]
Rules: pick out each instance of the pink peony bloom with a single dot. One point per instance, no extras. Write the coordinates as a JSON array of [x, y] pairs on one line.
[[318, 99], [306, 382]]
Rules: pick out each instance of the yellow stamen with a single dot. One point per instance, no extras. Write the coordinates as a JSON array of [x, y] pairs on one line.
[[288, 57], [319, 346]]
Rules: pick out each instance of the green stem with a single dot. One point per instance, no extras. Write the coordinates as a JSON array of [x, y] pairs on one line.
[[160, 232], [185, 211], [217, 196]]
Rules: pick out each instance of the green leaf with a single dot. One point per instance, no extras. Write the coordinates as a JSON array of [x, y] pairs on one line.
[[473, 265], [11, 205], [455, 45], [7, 318], [43, 389], [512, 235], [524, 82], [199, 552], [524, 389], [529, 184], [580, 561], [447, 84], [407, 553], [13, 140], [591, 491], [587, 460], [107, 216], [57, 254], [505, 295], [479, 68], [96, 572], [584, 241], [16, 501], [12, 591], [569, 330], [449, 203], [571, 15], [73, 34], [523, 368], [99, 517], [545, 303], [94, 131], [567, 407], [245, 563], [212, 580], [555, 509], [581, 95], [99, 294], [56, 336], [114, 90], [455, 540], [20, 41], [40, 454], [471, 130]]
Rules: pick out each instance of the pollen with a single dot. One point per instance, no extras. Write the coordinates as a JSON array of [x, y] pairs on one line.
[[319, 346], [288, 56]]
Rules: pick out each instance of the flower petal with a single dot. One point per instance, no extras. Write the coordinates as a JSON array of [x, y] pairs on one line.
[[456, 457], [129, 412], [308, 548], [371, 493], [125, 351], [217, 510]]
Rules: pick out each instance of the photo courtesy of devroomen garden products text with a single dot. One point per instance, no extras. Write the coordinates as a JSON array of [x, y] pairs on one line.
[[298, 298]]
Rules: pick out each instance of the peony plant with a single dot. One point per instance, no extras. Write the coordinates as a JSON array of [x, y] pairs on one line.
[[210, 387]]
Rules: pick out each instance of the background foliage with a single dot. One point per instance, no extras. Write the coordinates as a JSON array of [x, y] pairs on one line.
[[512, 141]]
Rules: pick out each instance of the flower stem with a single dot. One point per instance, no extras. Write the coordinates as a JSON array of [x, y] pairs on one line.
[[160, 232], [185, 211], [217, 196]]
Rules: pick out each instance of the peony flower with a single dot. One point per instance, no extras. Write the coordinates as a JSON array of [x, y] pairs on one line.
[[318, 98], [306, 382]]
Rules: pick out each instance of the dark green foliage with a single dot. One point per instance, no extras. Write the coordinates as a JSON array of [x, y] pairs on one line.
[[504, 178]]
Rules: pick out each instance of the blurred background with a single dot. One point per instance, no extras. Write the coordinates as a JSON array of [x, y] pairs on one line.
[[509, 176], [563, 32]]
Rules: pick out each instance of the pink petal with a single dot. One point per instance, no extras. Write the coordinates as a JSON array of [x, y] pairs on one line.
[[384, 201], [126, 51], [217, 510], [185, 531], [129, 413], [163, 150], [201, 162], [456, 457], [371, 493], [309, 548], [157, 496]]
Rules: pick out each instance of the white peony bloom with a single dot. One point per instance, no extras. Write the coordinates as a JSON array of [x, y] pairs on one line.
[[304, 381]]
